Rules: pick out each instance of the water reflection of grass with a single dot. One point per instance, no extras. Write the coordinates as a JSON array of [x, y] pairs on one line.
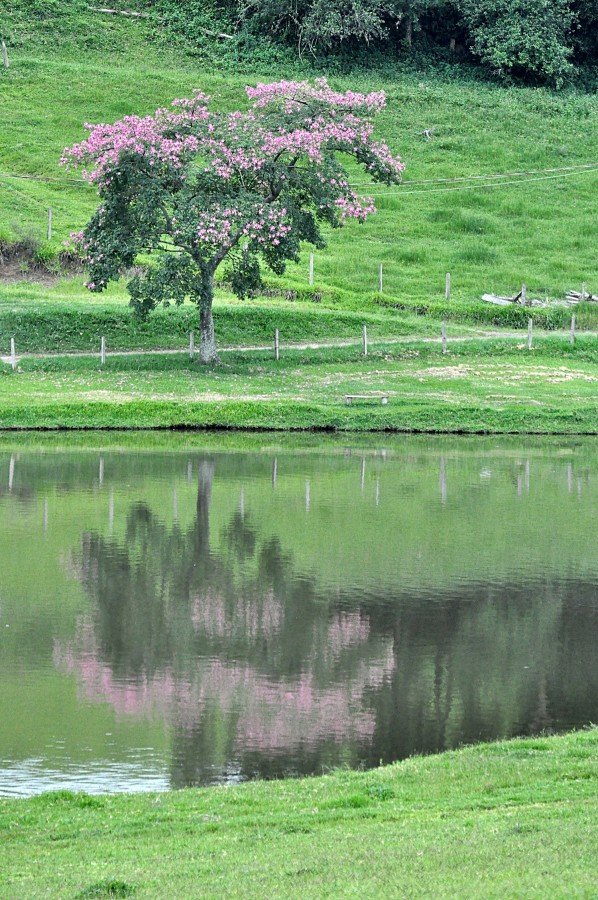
[[507, 819]]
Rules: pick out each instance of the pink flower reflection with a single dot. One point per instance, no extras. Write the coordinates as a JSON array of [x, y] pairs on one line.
[[249, 617], [266, 714]]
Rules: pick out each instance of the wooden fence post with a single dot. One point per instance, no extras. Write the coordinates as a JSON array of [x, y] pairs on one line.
[[103, 352], [529, 333], [276, 345], [311, 268], [191, 344], [13, 354], [583, 290], [5, 55], [447, 287], [365, 340], [572, 331], [523, 294], [380, 279]]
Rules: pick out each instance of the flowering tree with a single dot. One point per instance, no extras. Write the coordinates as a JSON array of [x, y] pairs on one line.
[[198, 188]]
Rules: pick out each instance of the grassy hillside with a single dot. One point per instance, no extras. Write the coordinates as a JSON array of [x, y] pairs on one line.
[[491, 234]]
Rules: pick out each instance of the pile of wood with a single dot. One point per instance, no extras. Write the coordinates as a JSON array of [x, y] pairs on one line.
[[576, 296], [571, 299], [521, 299]]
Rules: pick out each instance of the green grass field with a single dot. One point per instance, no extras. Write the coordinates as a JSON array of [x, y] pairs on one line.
[[515, 819], [492, 385], [492, 234]]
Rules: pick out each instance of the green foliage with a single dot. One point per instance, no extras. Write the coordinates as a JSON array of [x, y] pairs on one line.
[[109, 887], [320, 25], [585, 30], [527, 39], [314, 24]]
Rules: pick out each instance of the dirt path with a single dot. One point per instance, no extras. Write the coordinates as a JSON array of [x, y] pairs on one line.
[[312, 345]]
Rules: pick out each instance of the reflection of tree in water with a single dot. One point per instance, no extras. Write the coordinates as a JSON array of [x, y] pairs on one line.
[[237, 652], [258, 671], [489, 661]]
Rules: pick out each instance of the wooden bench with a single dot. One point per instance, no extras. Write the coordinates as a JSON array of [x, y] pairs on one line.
[[383, 398]]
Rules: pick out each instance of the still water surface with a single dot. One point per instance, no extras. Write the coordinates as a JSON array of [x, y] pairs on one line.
[[181, 610]]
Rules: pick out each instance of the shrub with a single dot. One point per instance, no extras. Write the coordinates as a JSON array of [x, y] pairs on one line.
[[528, 39]]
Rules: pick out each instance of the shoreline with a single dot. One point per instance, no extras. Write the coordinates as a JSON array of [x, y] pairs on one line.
[[498, 819]]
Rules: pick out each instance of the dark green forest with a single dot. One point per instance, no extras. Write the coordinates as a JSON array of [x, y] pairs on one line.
[[548, 42]]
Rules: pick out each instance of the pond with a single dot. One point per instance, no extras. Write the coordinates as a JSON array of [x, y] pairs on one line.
[[199, 609]]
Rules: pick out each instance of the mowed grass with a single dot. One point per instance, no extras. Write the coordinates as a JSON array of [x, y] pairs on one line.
[[511, 819], [61, 318], [492, 385], [492, 236]]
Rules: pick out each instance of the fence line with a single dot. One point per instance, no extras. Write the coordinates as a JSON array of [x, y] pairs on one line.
[[13, 358]]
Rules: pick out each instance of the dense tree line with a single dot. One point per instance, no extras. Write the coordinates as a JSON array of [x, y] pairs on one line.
[[533, 41], [538, 41]]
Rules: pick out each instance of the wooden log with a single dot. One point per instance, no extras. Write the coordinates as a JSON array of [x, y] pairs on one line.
[[119, 12], [576, 296], [497, 301]]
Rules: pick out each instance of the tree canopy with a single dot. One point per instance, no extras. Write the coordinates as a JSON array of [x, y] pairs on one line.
[[196, 188]]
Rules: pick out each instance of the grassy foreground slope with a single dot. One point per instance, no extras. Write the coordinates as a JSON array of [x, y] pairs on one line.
[[491, 234], [514, 819]]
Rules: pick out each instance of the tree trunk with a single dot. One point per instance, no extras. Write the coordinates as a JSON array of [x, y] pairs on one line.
[[207, 346]]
